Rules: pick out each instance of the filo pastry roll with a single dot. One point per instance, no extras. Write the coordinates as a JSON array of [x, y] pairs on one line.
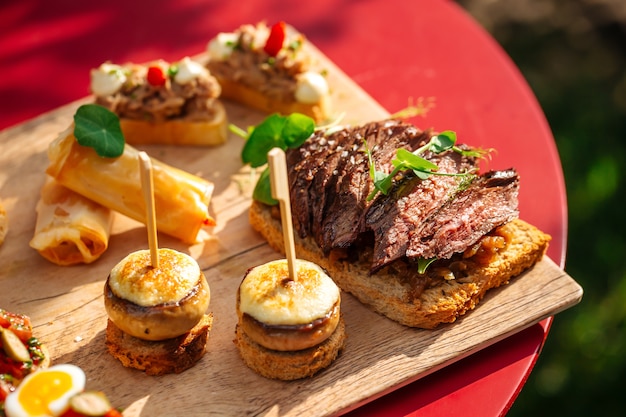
[[70, 228], [181, 199]]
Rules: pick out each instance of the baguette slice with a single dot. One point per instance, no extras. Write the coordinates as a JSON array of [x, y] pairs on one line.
[[290, 365], [394, 298], [161, 357]]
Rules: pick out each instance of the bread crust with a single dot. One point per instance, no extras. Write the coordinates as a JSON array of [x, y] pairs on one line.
[[395, 299], [290, 365], [173, 355], [178, 131], [247, 96], [4, 223]]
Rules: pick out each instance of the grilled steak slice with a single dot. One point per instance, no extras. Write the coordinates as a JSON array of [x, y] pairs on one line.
[[347, 203], [395, 217], [489, 201], [326, 184], [317, 153]]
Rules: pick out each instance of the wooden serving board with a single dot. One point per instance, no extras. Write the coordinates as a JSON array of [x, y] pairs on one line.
[[66, 303]]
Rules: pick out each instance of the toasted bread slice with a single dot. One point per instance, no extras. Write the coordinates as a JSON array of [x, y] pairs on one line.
[[4, 223], [290, 365], [159, 357], [240, 93], [395, 298], [178, 131]]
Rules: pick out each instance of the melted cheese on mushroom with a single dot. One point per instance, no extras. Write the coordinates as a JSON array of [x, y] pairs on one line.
[[268, 295], [134, 279]]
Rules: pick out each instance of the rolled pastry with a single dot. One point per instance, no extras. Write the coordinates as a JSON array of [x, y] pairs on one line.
[[181, 199], [70, 228]]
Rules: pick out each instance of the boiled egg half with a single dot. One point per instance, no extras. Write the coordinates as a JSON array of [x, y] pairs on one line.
[[46, 392]]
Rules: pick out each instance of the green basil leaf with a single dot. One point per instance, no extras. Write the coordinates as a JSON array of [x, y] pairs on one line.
[[263, 189], [262, 139], [297, 129], [99, 128]]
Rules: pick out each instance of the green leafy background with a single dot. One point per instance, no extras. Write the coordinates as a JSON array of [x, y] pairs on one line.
[[573, 55]]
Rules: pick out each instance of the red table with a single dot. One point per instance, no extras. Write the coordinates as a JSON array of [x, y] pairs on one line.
[[396, 50]]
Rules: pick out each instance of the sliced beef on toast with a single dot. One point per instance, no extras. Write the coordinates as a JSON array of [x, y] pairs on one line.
[[370, 247], [316, 154]]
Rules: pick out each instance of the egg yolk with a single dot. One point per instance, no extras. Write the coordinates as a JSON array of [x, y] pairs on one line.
[[43, 389]]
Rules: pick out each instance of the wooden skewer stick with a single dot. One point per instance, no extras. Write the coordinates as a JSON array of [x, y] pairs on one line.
[[280, 191], [147, 187]]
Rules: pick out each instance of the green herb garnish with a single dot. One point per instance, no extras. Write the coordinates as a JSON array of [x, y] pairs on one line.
[[422, 168], [263, 189], [423, 264], [99, 128], [420, 108], [275, 131], [172, 70], [296, 44]]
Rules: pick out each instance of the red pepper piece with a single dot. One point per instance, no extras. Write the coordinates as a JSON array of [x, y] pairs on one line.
[[276, 38], [20, 324], [156, 76]]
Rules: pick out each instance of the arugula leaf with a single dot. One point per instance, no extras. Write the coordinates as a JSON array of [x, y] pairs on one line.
[[99, 128]]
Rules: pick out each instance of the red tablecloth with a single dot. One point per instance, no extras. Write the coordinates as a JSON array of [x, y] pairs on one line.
[[396, 50]]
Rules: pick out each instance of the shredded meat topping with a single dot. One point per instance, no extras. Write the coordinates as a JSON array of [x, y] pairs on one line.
[[137, 99], [250, 65]]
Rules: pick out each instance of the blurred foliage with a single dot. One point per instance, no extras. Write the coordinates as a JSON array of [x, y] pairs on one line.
[[573, 55]]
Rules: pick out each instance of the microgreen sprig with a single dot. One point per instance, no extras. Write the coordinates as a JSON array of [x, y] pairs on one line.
[[99, 128], [275, 131], [422, 168], [423, 264]]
